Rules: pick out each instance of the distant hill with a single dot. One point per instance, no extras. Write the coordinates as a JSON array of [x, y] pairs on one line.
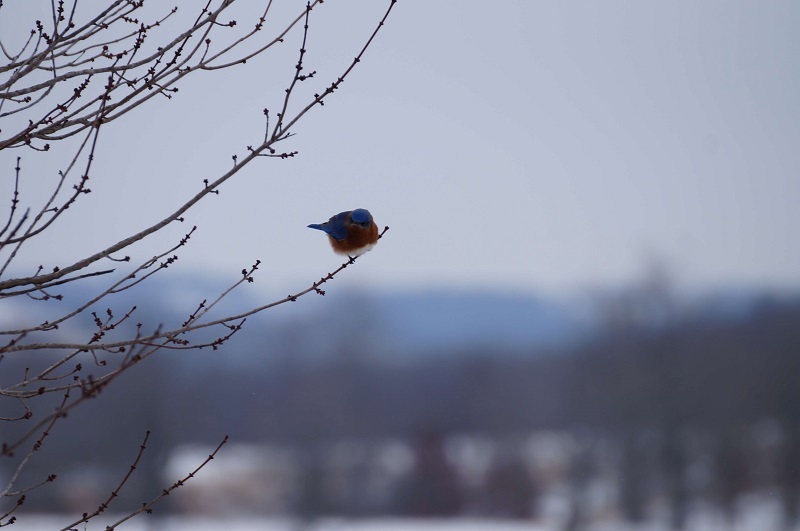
[[440, 318], [385, 323]]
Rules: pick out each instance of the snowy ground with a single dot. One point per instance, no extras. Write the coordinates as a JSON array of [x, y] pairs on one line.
[[701, 522], [50, 523]]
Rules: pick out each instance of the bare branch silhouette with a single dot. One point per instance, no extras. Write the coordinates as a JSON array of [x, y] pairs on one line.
[[61, 84]]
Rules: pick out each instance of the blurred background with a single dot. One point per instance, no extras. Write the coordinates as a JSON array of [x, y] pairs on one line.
[[585, 315]]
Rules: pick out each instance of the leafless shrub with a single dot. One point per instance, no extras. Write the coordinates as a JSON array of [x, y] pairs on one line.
[[61, 85]]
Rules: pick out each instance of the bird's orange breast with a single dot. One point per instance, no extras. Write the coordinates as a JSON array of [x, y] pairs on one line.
[[357, 238]]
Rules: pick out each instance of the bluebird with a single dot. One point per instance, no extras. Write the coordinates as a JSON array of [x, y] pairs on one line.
[[351, 233]]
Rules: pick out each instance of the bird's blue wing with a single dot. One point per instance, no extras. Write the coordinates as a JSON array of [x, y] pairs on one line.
[[335, 227]]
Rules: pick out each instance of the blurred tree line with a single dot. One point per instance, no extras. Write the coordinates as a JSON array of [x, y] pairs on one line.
[[694, 407]]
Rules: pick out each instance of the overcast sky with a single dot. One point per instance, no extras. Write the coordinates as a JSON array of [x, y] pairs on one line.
[[531, 145]]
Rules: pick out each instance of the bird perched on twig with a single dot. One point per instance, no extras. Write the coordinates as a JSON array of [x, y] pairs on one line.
[[351, 233]]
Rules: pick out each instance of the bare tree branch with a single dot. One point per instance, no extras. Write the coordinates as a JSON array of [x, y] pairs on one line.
[[61, 84]]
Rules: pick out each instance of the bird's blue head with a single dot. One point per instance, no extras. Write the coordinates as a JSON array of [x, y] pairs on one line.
[[361, 217]]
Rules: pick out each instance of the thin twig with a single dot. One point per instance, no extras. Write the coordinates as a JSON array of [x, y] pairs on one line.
[[148, 506], [103, 506]]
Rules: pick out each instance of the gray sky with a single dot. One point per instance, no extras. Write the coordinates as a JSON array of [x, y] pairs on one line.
[[541, 146]]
